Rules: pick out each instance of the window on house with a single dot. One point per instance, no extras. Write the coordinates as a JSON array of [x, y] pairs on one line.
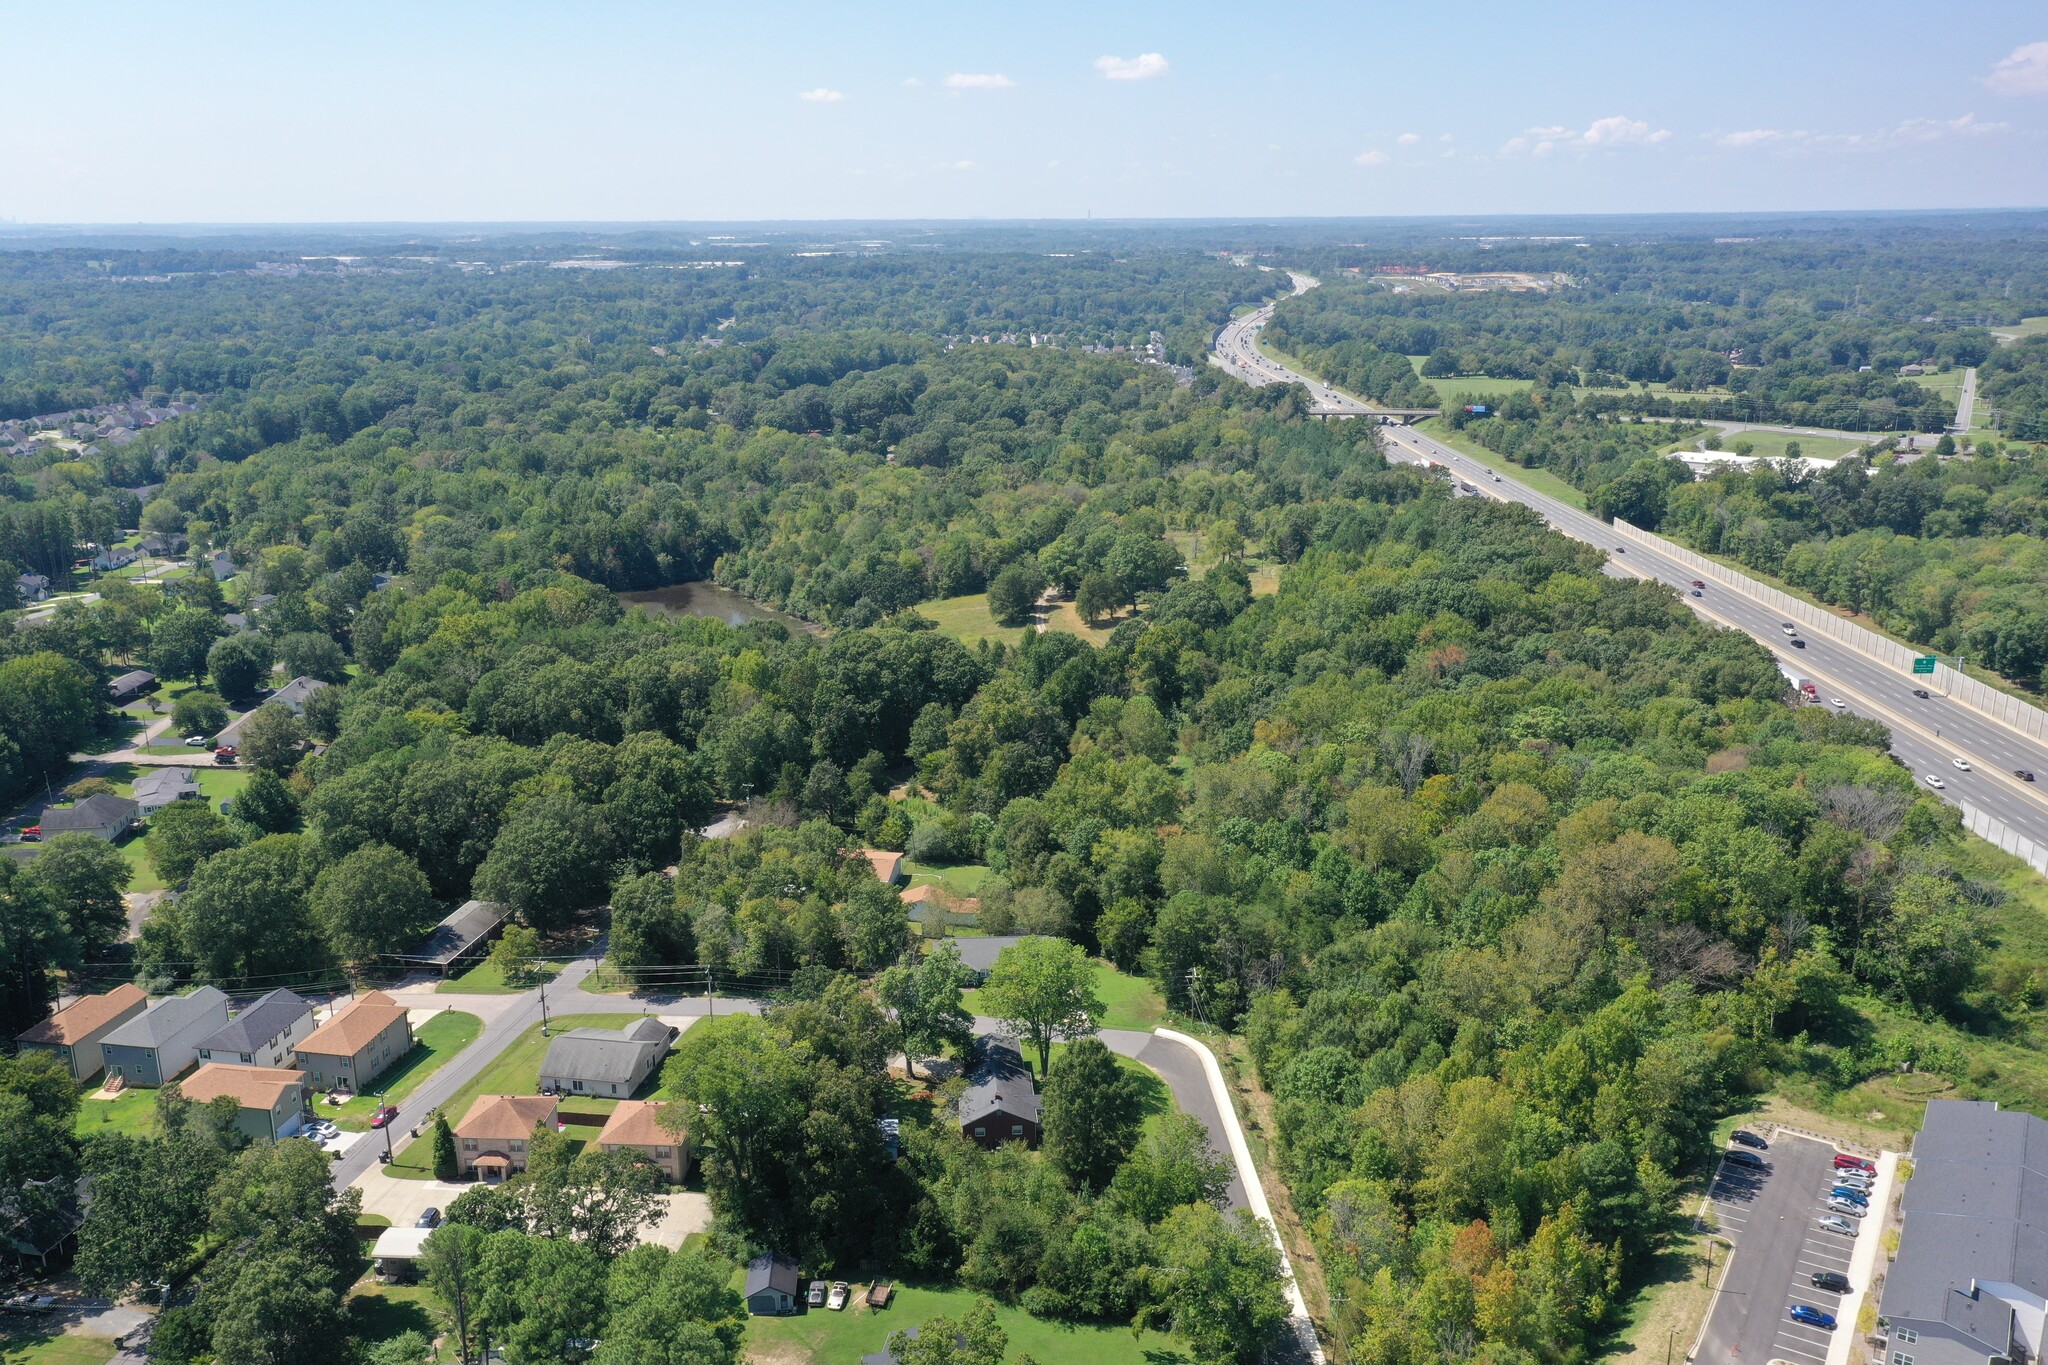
[[469, 1144], [1901, 1358], [661, 1152], [517, 1145], [980, 1131], [245, 1058], [577, 1084], [1016, 1130], [1905, 1334]]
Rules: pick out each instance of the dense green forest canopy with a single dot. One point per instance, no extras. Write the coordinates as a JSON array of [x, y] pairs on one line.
[[1511, 876]]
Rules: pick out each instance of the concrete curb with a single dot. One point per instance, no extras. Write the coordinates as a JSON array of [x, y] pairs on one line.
[[1254, 1192], [1863, 1259]]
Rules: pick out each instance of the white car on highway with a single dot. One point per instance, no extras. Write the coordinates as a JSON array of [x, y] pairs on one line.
[[1934, 780], [1962, 765], [1837, 703]]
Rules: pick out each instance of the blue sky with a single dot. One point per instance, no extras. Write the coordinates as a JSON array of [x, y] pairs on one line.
[[210, 112]]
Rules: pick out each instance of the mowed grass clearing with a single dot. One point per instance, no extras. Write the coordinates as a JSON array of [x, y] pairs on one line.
[[1542, 480], [967, 619], [822, 1337], [487, 979], [1772, 445], [132, 1112], [45, 1343], [1129, 1002]]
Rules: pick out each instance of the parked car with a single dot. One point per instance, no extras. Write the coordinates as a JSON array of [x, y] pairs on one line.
[[384, 1115], [1830, 1223], [1812, 1317], [1834, 1281], [1854, 1180], [32, 834], [1845, 1162], [837, 1300], [224, 754], [196, 741], [430, 1217], [30, 1303], [1934, 781], [1749, 1159], [1840, 1205], [1856, 1197], [816, 1297], [1749, 1139]]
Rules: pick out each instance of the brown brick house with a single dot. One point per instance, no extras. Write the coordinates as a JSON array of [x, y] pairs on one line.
[[635, 1126], [493, 1139]]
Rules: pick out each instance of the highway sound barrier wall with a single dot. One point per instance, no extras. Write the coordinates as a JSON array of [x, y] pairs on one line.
[[2009, 711], [1992, 830]]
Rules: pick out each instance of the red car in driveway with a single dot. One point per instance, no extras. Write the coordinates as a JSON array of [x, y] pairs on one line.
[[385, 1114]]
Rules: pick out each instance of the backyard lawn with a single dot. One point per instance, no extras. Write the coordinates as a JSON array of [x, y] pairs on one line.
[[142, 873], [1130, 1002], [434, 1042], [378, 1312], [821, 1337], [962, 879], [486, 979], [41, 1343], [132, 1113]]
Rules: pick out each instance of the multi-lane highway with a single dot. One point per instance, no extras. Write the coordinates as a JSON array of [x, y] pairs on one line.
[[1237, 350], [1929, 734]]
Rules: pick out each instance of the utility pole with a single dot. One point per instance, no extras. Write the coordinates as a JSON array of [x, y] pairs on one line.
[[710, 1000], [543, 1009]]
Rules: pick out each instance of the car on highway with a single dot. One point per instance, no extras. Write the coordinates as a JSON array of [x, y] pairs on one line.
[[1961, 765], [1749, 1159], [1934, 781], [1856, 1197], [1840, 1205], [1621, 549], [1496, 478], [1788, 627], [1921, 693], [1696, 592], [1834, 1281], [2022, 774], [1699, 582], [1798, 643], [1845, 1162], [1749, 1139], [384, 1115], [1838, 703], [1841, 1226], [1812, 1317]]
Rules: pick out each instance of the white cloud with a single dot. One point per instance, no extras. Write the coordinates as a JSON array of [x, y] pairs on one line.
[[979, 80], [822, 96], [1409, 139], [1612, 131], [1371, 158], [953, 166], [1448, 137], [1912, 131], [912, 81], [2025, 72], [1143, 67]]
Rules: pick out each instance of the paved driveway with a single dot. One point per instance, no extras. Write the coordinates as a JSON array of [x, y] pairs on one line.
[[1773, 1219], [403, 1200]]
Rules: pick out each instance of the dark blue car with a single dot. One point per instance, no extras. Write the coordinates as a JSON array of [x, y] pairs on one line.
[[1856, 1197], [1812, 1317]]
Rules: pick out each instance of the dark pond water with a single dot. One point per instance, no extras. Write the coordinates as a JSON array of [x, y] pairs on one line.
[[708, 599]]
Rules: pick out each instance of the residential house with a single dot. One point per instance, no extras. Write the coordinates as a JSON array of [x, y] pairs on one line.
[[237, 623], [888, 866], [159, 787], [493, 1139], [32, 587], [263, 1035], [459, 939], [75, 1032], [103, 816], [1001, 1103], [606, 1062], [1970, 1283], [270, 1101], [113, 557], [161, 546], [131, 685], [292, 697], [772, 1285], [223, 566], [978, 954], [635, 1126], [158, 1044], [357, 1044]]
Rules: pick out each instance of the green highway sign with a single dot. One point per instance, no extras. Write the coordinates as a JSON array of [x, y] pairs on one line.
[[1923, 663]]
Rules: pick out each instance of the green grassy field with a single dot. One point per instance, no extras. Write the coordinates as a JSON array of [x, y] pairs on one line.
[[434, 1042], [142, 873], [2029, 327], [962, 879], [517, 1069], [966, 619], [378, 1312], [486, 979], [42, 1343], [132, 1113], [821, 1337], [1129, 1002], [1771, 445], [1476, 385], [1542, 480]]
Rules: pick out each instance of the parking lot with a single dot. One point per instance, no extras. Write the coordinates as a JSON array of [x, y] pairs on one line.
[[1773, 1218]]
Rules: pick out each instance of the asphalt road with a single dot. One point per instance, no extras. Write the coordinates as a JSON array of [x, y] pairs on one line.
[[1966, 401], [1772, 1218], [1928, 734]]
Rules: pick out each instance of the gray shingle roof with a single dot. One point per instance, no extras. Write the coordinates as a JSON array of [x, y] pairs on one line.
[[1001, 1083], [295, 692], [455, 935], [167, 1018], [771, 1271], [259, 1023], [1976, 1210], [168, 783], [979, 954], [95, 812], [608, 1056]]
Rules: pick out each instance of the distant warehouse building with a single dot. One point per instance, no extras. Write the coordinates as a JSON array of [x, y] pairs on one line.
[[1970, 1285]]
